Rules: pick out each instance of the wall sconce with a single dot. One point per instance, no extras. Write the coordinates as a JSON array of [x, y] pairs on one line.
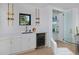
[[10, 13], [37, 15]]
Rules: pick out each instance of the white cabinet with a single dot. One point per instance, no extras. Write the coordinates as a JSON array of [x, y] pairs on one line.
[[16, 44], [4, 46], [29, 42], [23, 42]]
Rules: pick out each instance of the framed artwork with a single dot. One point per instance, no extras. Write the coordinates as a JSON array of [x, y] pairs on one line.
[[24, 19]]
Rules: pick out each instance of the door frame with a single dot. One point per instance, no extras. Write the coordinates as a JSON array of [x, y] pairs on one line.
[[61, 10]]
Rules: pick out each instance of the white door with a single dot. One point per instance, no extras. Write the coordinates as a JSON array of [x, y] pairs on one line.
[[60, 26]]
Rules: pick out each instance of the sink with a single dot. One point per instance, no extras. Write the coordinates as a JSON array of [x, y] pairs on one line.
[[26, 32]]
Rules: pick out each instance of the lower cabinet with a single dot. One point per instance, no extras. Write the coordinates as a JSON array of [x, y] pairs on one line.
[[13, 45], [23, 43], [16, 45], [5, 46], [29, 42]]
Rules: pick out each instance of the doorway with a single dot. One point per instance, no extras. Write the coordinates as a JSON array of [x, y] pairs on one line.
[[63, 28], [58, 25]]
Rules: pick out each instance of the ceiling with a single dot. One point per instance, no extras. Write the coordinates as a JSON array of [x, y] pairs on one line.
[[58, 5]]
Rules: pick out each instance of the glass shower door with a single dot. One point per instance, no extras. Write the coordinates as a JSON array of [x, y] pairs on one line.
[[68, 26]]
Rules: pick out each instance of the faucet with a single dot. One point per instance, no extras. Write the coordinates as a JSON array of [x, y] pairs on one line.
[[26, 29]]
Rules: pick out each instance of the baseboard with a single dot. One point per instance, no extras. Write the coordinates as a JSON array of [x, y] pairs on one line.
[[69, 42], [22, 52], [25, 51]]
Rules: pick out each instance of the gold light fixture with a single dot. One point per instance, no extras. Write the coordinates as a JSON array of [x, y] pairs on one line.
[[37, 15], [10, 13]]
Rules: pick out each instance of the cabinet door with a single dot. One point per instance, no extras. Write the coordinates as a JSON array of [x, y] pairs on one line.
[[16, 45], [4, 46], [25, 43], [32, 44], [29, 42]]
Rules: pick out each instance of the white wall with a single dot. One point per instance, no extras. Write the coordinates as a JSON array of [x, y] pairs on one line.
[[19, 8], [16, 30], [30, 9], [4, 30], [9, 33], [23, 8]]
